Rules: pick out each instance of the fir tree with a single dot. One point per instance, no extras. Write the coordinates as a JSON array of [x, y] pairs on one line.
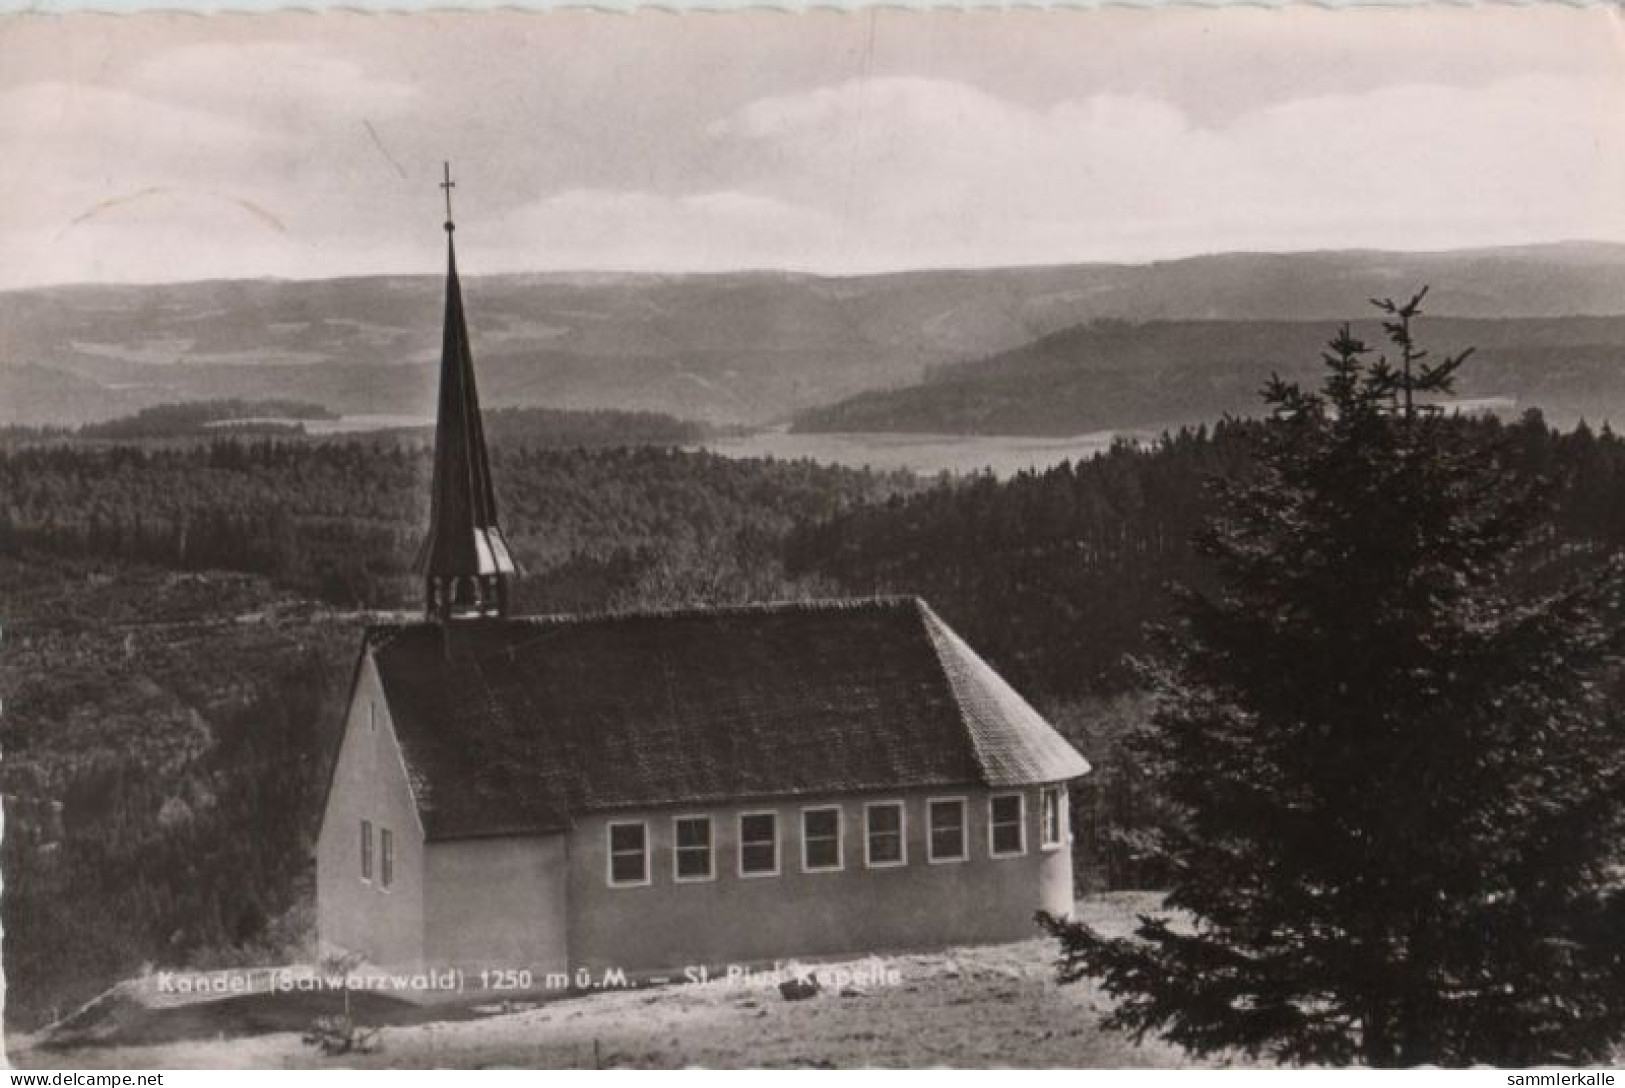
[[1393, 775]]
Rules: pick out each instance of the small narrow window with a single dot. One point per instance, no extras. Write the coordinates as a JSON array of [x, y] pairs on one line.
[[947, 830], [1006, 830], [883, 841], [1054, 815], [372, 716], [386, 857], [628, 854], [758, 844], [366, 849], [693, 853], [820, 839]]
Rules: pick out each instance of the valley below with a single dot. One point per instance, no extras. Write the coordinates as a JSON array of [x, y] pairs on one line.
[[1056, 351]]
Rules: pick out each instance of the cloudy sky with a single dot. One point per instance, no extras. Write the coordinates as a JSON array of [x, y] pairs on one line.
[[185, 147]]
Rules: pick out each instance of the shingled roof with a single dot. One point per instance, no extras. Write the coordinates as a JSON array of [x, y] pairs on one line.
[[519, 726]]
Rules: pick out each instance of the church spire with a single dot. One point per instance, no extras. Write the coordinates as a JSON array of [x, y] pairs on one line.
[[464, 560]]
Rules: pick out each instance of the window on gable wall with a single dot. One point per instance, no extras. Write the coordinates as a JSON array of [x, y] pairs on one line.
[[386, 857], [366, 849]]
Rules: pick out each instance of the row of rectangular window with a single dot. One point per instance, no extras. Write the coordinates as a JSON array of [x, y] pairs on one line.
[[386, 854], [822, 849]]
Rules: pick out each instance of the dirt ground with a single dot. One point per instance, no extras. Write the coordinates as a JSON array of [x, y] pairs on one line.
[[994, 1005]]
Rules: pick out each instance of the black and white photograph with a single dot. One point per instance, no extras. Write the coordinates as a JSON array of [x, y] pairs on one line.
[[1029, 539]]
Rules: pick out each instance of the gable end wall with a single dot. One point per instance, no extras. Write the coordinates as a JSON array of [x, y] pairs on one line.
[[369, 782]]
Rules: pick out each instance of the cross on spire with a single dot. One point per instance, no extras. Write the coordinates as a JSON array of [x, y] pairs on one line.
[[448, 185]]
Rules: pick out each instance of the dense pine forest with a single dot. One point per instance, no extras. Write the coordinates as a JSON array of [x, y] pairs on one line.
[[180, 620], [339, 520], [181, 616]]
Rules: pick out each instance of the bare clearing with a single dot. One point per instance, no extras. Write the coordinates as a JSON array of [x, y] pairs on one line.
[[995, 1005]]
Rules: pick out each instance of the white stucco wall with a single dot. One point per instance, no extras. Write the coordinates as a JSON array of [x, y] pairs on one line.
[[497, 904], [856, 910]]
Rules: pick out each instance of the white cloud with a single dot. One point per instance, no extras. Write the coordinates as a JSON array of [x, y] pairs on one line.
[[205, 149], [942, 171]]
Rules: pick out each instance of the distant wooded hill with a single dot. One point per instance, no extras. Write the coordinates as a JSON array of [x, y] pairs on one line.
[[542, 428], [744, 347], [206, 416], [1113, 374]]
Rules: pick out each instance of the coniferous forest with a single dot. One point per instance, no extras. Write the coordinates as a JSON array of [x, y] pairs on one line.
[[1385, 738], [182, 615]]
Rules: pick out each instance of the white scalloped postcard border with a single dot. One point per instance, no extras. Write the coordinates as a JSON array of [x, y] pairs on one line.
[[624, 7]]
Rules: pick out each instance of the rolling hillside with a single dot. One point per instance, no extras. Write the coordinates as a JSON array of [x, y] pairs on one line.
[[746, 347], [1118, 375]]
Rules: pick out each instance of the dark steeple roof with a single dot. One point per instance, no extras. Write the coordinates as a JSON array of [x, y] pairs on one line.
[[464, 543]]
